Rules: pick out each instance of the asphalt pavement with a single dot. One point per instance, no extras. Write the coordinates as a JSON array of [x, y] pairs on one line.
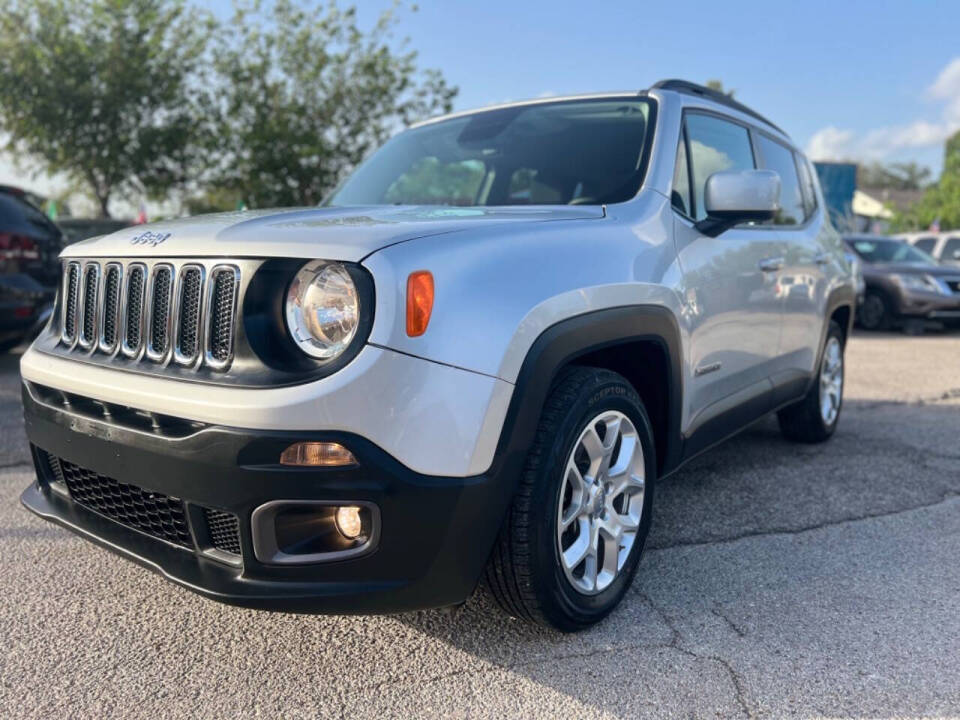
[[781, 580]]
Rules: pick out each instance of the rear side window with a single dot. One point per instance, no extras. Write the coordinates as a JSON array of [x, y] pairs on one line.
[[715, 145], [680, 196], [779, 158], [926, 244], [951, 251], [807, 187]]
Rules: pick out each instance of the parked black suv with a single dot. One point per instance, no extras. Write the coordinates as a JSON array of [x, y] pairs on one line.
[[29, 270], [904, 285]]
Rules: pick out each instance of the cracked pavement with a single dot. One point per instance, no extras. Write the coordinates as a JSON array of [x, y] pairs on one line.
[[780, 581]]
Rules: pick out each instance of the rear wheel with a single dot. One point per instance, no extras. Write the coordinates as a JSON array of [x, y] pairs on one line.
[[814, 418], [573, 536], [873, 313]]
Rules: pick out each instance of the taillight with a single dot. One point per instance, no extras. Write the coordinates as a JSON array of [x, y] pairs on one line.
[[18, 247]]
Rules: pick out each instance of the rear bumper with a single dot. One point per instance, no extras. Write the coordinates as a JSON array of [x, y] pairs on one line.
[[434, 539]]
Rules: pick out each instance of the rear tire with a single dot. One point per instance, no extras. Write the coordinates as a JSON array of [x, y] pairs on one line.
[[874, 312], [566, 501], [814, 418]]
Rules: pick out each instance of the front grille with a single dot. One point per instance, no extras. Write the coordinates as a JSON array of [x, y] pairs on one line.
[[160, 516], [220, 338], [224, 530], [154, 310], [111, 308], [134, 310], [188, 323], [88, 312], [71, 288], [160, 312]]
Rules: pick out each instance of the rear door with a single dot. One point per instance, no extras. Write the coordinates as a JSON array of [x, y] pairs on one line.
[[730, 293]]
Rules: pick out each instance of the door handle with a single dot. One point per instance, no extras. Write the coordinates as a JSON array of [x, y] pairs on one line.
[[771, 264], [822, 258]]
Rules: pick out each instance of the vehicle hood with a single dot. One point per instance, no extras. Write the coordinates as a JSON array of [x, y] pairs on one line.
[[348, 234], [909, 269]]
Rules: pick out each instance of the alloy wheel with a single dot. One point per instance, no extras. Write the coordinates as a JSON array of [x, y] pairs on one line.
[[831, 381], [600, 502]]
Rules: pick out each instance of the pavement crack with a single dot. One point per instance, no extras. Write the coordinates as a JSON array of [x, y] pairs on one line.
[[676, 641], [946, 497], [18, 464], [733, 626]]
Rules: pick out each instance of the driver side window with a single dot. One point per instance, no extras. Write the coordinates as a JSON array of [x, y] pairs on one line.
[[714, 145]]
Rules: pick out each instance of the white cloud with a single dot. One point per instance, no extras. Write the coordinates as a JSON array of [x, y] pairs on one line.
[[833, 143]]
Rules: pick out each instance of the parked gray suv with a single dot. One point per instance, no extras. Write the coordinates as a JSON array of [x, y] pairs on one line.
[[476, 360]]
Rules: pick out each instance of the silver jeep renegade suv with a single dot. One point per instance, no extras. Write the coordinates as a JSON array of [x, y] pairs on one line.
[[473, 362]]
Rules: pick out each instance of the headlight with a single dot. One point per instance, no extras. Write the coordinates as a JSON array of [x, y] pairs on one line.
[[323, 309], [924, 283]]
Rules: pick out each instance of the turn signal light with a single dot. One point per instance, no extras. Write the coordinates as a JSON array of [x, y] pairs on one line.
[[419, 302], [317, 454]]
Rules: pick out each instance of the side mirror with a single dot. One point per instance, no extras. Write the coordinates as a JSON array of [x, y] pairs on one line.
[[732, 197]]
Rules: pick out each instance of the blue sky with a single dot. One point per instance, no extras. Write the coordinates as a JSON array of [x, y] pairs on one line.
[[854, 77], [863, 80]]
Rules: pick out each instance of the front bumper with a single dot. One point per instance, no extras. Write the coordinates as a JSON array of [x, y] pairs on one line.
[[434, 538], [932, 306]]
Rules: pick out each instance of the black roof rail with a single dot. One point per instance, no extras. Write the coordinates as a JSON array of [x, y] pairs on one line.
[[689, 88]]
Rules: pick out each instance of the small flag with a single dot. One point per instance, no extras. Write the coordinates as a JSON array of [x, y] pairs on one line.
[[142, 215], [52, 210], [241, 205], [934, 226]]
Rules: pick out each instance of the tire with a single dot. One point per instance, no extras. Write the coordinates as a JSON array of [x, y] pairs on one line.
[[526, 573], [874, 312], [807, 420]]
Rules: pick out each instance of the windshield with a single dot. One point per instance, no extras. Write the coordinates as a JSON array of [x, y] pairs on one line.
[[582, 152], [876, 250]]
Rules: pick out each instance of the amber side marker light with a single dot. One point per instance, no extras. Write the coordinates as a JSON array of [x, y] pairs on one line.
[[419, 302], [317, 454]]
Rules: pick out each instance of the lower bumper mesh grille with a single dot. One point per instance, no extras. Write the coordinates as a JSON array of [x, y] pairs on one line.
[[155, 514], [224, 530]]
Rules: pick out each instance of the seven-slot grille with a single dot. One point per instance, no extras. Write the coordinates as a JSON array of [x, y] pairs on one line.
[[156, 313]]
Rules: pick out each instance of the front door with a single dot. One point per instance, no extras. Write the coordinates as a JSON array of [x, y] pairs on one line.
[[732, 302]]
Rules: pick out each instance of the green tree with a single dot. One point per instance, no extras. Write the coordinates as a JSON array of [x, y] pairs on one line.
[[718, 86], [941, 201], [896, 176], [308, 94], [107, 91]]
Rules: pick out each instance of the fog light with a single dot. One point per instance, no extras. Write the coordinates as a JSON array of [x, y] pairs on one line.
[[349, 522], [317, 454]]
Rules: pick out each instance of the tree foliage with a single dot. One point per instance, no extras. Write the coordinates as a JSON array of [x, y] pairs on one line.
[[941, 201], [108, 92], [718, 86], [307, 94], [896, 176]]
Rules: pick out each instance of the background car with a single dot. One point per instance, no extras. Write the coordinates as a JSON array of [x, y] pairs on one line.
[[77, 229], [904, 285], [943, 247], [30, 244]]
